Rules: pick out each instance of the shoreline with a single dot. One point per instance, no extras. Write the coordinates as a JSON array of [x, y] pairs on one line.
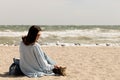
[[70, 45]]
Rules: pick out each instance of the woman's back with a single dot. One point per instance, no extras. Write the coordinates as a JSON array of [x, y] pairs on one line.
[[33, 61], [29, 63]]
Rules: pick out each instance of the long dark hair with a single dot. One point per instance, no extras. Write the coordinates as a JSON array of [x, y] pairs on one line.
[[31, 36]]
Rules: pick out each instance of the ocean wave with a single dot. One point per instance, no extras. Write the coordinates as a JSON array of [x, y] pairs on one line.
[[12, 34], [80, 36], [67, 33]]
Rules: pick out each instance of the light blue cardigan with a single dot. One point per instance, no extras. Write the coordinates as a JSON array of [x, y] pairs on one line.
[[34, 62]]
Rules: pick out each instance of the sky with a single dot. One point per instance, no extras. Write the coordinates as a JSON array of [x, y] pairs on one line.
[[60, 12]]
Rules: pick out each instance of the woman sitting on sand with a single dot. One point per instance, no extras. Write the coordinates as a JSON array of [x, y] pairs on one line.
[[33, 61]]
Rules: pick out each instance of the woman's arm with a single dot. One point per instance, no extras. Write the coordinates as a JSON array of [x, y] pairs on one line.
[[42, 62]]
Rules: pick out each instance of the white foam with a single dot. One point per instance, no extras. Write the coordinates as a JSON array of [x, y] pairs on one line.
[[93, 34], [12, 34], [86, 33]]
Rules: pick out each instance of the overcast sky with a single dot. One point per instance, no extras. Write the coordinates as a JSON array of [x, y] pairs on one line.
[[60, 12]]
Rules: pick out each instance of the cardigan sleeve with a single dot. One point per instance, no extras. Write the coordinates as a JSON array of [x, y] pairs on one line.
[[42, 62]]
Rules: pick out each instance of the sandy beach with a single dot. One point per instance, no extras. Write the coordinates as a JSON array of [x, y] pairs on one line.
[[83, 62]]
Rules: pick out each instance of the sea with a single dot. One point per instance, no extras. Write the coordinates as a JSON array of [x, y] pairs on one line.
[[76, 35]]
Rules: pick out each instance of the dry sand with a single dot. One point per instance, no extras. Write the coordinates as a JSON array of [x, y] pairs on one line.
[[83, 63]]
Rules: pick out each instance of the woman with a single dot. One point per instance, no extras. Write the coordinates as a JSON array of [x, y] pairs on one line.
[[33, 61]]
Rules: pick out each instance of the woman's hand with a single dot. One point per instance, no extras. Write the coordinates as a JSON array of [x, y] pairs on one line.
[[56, 66]]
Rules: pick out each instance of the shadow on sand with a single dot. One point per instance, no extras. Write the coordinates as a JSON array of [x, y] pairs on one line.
[[6, 74]]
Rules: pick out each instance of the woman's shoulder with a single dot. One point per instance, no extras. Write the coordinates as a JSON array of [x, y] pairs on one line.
[[21, 43], [32, 45], [36, 45]]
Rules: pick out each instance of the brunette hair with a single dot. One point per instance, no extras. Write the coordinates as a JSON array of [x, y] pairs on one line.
[[31, 36]]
